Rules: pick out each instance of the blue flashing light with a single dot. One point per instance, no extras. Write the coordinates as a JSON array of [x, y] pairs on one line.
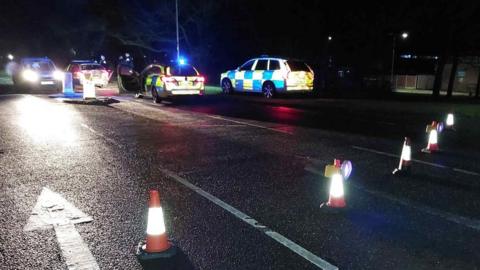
[[182, 61]]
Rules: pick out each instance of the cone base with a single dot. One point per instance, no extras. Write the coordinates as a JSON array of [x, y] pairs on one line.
[[401, 172], [157, 260], [328, 208], [426, 150]]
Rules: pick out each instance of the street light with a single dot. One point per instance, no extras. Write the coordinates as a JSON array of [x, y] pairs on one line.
[[329, 38], [178, 40], [404, 36], [10, 56]]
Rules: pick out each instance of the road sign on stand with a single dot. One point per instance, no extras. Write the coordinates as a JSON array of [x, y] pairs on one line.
[[67, 84], [88, 87]]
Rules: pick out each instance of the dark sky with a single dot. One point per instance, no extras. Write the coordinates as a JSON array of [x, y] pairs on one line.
[[219, 34]]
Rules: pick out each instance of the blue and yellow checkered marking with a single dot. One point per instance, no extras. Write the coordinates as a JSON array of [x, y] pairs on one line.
[[253, 80]]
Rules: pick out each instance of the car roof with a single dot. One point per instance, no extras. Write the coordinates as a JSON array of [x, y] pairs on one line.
[[83, 62], [36, 59], [281, 58], [267, 58]]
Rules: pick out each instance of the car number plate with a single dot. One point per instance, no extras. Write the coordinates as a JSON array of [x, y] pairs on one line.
[[46, 83]]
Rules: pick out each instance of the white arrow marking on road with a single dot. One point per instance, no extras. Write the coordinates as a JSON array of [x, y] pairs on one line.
[[53, 211]]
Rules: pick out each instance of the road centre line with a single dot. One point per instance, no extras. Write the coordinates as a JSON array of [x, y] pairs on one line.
[[461, 220], [309, 256], [101, 135], [416, 160]]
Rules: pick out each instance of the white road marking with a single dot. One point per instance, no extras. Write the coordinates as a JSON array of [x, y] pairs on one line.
[[53, 211], [219, 118], [309, 256], [248, 124], [206, 125], [461, 220], [416, 160], [101, 135]]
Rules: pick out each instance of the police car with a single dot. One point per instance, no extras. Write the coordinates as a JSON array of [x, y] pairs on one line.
[[179, 79], [269, 75]]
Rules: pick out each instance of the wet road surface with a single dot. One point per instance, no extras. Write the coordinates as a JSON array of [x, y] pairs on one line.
[[211, 158]]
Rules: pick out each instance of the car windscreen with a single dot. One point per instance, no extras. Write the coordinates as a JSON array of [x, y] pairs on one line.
[[41, 66], [92, 67], [298, 66], [183, 70]]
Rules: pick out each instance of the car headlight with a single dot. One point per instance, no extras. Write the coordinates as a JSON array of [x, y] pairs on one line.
[[30, 75], [58, 75]]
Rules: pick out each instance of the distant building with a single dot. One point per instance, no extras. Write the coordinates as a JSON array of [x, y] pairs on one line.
[[418, 72]]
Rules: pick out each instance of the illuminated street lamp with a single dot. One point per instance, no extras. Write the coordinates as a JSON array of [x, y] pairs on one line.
[[10, 56], [329, 38], [178, 39], [404, 36]]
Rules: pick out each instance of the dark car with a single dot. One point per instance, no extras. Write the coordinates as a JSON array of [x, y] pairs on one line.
[[35, 73]]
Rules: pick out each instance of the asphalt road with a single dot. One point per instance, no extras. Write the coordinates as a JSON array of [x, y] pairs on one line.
[[240, 179]]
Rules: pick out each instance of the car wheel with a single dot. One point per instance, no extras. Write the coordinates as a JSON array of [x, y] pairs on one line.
[[227, 87], [268, 90], [156, 98]]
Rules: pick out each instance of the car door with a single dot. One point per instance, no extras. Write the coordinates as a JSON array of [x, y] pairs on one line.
[[258, 74], [241, 83], [149, 77]]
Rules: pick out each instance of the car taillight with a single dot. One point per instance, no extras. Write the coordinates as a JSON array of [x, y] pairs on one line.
[[76, 74], [200, 79]]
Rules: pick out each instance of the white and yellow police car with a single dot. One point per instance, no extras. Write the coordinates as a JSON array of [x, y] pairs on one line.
[[268, 75]]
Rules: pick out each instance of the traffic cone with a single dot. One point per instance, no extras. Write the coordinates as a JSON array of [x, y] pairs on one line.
[[336, 197], [337, 194], [450, 121], [432, 145], [156, 251], [405, 158]]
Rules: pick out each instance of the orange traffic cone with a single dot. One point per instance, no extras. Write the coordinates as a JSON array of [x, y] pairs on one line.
[[336, 197], [156, 251], [157, 240], [450, 121], [432, 145], [405, 158]]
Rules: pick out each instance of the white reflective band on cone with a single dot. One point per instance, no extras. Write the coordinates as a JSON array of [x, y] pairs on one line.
[[450, 120], [406, 153], [156, 225], [433, 137], [336, 187]]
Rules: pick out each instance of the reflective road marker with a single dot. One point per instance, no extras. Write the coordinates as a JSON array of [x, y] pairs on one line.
[[53, 211], [309, 256], [416, 160]]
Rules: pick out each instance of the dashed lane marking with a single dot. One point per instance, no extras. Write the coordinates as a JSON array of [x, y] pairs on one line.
[[309, 256], [101, 135], [416, 160]]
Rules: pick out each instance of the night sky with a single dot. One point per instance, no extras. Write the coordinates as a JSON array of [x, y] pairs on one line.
[[216, 35]]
